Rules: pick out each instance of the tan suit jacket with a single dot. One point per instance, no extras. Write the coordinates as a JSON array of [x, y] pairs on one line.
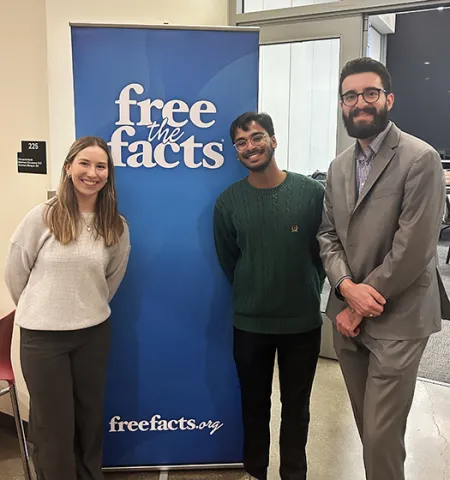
[[387, 238]]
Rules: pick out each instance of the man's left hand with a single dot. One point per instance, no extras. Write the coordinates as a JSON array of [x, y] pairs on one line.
[[347, 323]]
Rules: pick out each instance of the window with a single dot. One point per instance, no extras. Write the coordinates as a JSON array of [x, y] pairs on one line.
[[299, 89], [260, 5]]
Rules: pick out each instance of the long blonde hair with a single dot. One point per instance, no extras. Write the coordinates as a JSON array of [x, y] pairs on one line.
[[63, 215]]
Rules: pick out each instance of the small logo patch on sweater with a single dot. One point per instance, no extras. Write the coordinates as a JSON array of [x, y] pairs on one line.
[[294, 229]]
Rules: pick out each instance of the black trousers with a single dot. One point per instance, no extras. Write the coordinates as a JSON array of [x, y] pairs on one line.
[[65, 372], [254, 354]]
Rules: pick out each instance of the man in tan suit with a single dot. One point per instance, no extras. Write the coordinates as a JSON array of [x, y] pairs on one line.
[[382, 215]]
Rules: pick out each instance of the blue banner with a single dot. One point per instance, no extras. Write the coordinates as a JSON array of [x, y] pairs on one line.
[[164, 99]]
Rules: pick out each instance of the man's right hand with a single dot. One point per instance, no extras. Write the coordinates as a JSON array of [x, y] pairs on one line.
[[362, 298]]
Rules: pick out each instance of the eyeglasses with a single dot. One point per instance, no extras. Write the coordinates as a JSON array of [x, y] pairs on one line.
[[256, 140], [371, 95]]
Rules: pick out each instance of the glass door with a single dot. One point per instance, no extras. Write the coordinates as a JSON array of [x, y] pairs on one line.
[[300, 63]]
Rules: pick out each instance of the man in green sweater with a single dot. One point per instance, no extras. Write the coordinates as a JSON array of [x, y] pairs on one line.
[[265, 228]]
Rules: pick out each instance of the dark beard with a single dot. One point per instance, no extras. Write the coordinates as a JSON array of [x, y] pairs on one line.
[[366, 130], [263, 166]]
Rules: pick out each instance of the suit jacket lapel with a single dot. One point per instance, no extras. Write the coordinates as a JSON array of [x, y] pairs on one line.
[[380, 162], [350, 181]]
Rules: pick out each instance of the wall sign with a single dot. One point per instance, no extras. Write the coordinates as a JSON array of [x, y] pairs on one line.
[[32, 158]]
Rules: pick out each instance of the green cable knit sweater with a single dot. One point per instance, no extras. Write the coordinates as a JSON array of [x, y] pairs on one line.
[[266, 244]]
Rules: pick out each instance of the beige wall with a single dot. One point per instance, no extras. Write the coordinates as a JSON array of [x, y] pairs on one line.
[[24, 116], [37, 98]]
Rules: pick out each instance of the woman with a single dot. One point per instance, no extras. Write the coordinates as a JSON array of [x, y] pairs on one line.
[[65, 263]]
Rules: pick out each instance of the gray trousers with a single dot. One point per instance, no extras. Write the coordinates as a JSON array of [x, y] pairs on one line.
[[65, 372], [381, 378]]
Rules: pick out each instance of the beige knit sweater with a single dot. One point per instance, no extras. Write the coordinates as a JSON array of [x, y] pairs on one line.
[[62, 287]]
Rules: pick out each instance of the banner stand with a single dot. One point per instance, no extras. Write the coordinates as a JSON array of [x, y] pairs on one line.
[[168, 468], [163, 98]]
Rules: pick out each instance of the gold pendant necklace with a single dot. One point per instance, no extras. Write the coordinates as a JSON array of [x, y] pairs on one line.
[[88, 225]]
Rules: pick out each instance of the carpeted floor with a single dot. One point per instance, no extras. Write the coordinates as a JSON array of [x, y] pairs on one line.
[[444, 269], [435, 364]]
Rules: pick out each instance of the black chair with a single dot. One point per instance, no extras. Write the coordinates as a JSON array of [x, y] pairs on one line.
[[446, 223]]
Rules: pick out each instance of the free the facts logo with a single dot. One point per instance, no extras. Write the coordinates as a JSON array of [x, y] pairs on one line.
[[158, 424], [164, 123]]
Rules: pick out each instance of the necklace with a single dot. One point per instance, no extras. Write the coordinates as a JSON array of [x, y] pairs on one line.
[[88, 225]]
